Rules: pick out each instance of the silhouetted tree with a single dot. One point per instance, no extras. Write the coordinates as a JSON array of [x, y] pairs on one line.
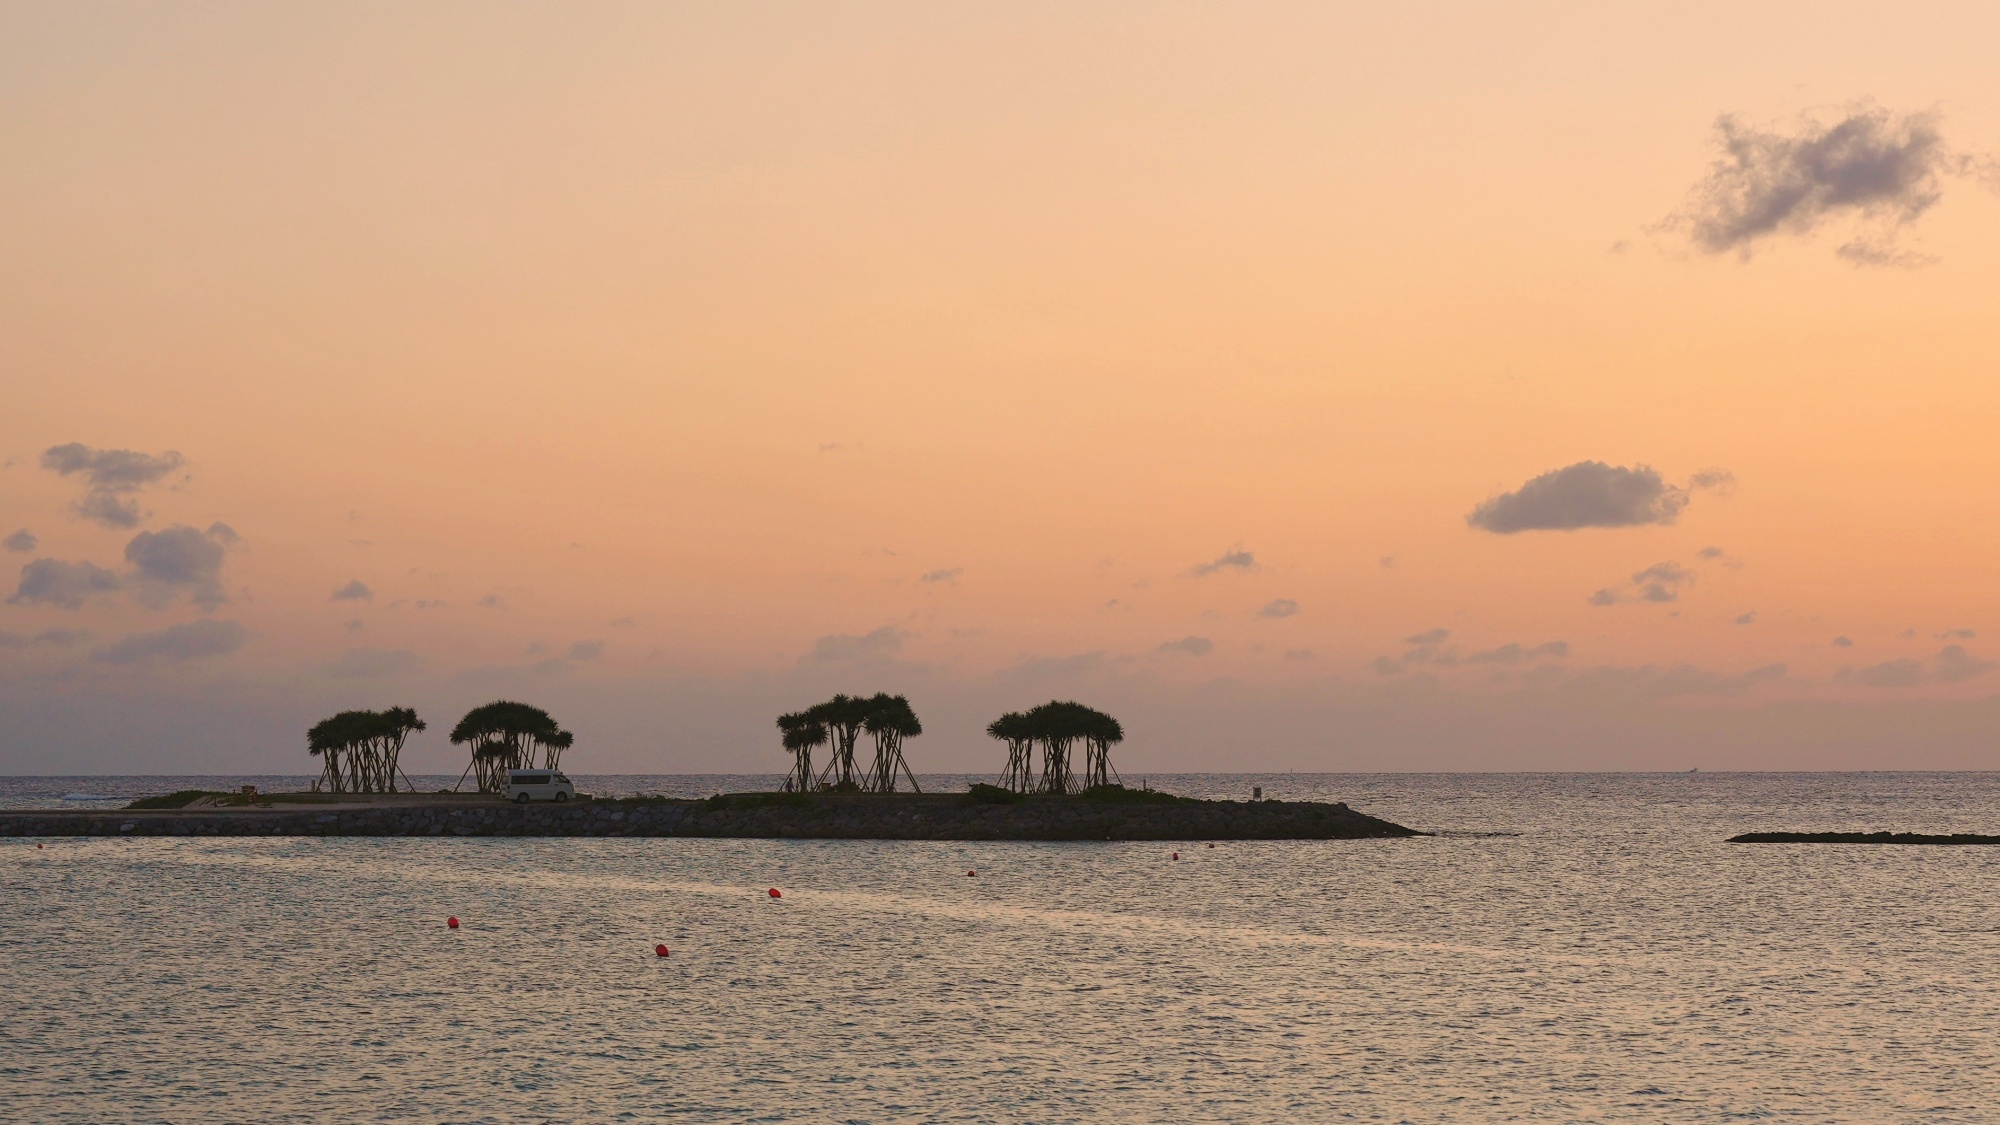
[[889, 719], [801, 732], [361, 749], [1014, 729], [504, 736]]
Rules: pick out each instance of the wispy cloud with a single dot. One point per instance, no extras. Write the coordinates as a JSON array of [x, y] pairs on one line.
[[110, 478], [192, 641], [1192, 646], [355, 591], [1881, 170], [1238, 559], [1279, 607]]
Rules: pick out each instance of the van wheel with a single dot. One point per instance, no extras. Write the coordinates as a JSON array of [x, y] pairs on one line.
[[560, 797], [520, 798]]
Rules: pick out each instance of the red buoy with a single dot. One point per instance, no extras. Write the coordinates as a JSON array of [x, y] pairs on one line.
[[775, 894], [1177, 855], [38, 847], [659, 951], [1211, 843], [452, 922]]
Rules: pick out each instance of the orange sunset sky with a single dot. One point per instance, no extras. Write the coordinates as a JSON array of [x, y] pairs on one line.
[[1320, 386]]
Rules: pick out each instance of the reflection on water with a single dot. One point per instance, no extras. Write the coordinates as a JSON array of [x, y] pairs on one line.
[[1573, 948]]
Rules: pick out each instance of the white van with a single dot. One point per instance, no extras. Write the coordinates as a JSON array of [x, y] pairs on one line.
[[538, 785]]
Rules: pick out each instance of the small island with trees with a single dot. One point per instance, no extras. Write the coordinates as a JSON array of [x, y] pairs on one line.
[[1058, 783]]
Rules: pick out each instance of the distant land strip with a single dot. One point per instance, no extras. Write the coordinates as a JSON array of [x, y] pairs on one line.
[[1860, 838], [955, 816]]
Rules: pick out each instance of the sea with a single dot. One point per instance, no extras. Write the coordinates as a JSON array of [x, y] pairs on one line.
[[1566, 947]]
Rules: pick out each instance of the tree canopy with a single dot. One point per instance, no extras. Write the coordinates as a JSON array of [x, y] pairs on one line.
[[839, 722], [1057, 726], [360, 748], [505, 735]]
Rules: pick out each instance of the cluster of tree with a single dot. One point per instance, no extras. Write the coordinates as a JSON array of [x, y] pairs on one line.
[[1057, 726], [504, 736], [360, 748], [838, 724]]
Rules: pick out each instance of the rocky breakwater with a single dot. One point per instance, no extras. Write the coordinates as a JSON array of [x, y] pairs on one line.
[[956, 816]]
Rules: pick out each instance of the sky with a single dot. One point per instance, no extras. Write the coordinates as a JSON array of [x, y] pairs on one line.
[[1320, 386]]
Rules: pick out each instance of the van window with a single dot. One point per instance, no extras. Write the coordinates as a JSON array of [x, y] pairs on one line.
[[531, 779]]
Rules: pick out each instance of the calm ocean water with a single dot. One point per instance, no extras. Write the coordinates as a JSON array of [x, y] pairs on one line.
[[1571, 948]]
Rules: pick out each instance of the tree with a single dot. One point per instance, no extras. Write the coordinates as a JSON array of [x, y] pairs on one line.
[[504, 735], [843, 716], [801, 732], [1014, 729], [361, 749], [1057, 725], [889, 719]]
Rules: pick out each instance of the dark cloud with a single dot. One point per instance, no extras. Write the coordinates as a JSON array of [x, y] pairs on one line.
[[1238, 559], [1516, 654], [22, 541], [849, 647], [1193, 646], [178, 560], [110, 476], [1951, 665], [586, 650], [355, 591], [947, 575], [1659, 583], [66, 584], [1878, 168], [1428, 637], [373, 663], [191, 641], [1279, 607], [1586, 494], [47, 638]]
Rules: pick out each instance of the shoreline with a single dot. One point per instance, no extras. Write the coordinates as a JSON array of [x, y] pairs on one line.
[[901, 816]]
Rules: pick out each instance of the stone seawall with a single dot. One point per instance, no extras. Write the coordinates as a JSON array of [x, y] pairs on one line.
[[859, 817]]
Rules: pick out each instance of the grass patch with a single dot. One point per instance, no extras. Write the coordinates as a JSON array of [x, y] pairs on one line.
[[984, 794], [1118, 794], [176, 800]]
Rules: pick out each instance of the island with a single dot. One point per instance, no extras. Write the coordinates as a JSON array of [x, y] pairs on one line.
[[1861, 838], [985, 813]]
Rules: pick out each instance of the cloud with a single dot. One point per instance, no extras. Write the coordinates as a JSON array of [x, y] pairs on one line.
[[110, 476], [355, 591], [1957, 635], [1951, 665], [1709, 553], [47, 638], [179, 559], [1721, 480], [1872, 166], [22, 541], [849, 647], [65, 584], [224, 534], [1298, 654], [586, 650], [1659, 583], [1842, 642], [948, 576], [1238, 559], [1516, 654], [191, 641], [1746, 618], [1279, 607], [1586, 494], [1428, 637], [373, 663], [1193, 646], [495, 601]]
